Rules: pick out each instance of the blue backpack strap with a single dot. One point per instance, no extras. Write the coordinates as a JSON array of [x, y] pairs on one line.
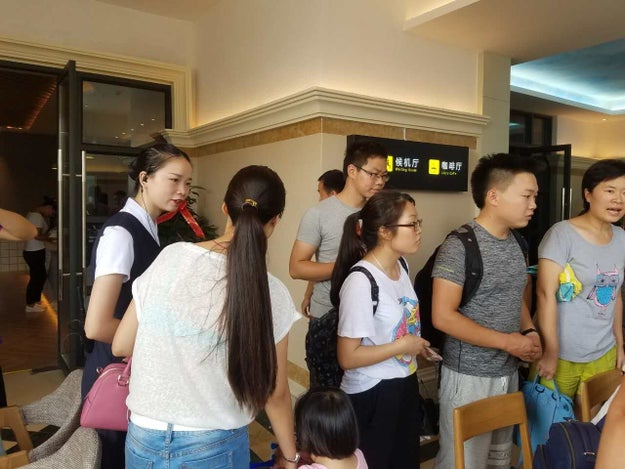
[[375, 291]]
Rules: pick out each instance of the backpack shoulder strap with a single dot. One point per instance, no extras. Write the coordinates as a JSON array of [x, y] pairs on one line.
[[473, 267], [375, 291], [522, 243], [403, 263]]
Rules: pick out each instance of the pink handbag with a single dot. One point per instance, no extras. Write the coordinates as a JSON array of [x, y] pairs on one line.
[[105, 404]]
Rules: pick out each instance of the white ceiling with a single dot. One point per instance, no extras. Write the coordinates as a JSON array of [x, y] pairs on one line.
[[522, 29]]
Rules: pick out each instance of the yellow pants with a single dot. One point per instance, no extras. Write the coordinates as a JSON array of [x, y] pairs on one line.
[[569, 375]]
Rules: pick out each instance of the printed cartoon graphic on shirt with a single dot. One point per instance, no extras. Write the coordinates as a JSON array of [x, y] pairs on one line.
[[410, 323], [605, 288]]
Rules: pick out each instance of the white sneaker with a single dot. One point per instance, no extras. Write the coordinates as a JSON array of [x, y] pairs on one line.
[[35, 308]]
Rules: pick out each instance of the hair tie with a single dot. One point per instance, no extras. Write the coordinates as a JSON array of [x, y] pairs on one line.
[[250, 202], [359, 227]]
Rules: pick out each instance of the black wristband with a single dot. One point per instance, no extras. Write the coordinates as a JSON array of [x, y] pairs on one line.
[[527, 331]]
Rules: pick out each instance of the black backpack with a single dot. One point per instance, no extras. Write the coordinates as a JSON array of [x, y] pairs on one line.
[[571, 445], [321, 356], [473, 276]]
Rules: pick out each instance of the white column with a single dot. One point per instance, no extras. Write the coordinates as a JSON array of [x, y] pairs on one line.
[[494, 101]]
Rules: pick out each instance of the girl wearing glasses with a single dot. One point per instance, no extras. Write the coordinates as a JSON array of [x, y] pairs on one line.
[[377, 346]]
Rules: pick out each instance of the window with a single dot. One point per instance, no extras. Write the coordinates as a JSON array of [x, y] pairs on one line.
[[123, 113]]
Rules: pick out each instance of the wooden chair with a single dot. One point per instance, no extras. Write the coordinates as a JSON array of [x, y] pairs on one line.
[[14, 460], [597, 390], [490, 414], [61, 408], [12, 417]]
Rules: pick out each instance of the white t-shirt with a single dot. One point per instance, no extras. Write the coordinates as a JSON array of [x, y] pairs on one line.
[[179, 366], [42, 226], [115, 249], [396, 316]]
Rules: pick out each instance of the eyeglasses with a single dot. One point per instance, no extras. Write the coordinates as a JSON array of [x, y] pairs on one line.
[[384, 176], [415, 225]]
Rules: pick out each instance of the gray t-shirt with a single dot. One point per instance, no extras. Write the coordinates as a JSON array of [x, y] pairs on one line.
[[322, 227], [585, 323], [496, 303]]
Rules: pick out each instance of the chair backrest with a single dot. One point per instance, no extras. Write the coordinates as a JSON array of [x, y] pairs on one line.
[[82, 451], [12, 418], [60, 408], [597, 390], [14, 460], [490, 414]]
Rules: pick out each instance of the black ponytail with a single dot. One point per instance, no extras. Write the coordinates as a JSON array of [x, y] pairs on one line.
[[351, 251], [255, 196]]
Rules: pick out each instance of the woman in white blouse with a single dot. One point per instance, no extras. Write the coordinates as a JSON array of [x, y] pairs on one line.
[[125, 247]]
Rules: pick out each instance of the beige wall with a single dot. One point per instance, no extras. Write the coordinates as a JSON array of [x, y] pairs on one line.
[[581, 135], [282, 47], [610, 139], [97, 26], [593, 140], [299, 162]]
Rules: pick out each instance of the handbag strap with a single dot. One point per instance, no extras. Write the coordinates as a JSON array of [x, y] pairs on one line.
[[126, 372], [553, 380]]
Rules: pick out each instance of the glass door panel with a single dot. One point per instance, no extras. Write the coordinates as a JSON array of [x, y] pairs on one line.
[[553, 174], [107, 188]]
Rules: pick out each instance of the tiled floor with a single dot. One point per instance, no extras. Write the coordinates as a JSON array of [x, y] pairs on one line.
[[28, 340]]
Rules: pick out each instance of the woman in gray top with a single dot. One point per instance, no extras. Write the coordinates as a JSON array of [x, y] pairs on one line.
[[580, 273]]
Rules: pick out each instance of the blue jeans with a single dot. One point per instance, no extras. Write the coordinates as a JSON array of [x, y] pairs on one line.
[[168, 449]]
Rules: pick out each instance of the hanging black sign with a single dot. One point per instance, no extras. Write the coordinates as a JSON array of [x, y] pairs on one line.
[[423, 166]]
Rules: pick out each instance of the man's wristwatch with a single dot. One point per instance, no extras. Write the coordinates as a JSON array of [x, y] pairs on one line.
[[527, 331]]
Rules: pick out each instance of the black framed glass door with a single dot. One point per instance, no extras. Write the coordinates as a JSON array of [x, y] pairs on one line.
[[103, 123], [552, 166], [71, 213]]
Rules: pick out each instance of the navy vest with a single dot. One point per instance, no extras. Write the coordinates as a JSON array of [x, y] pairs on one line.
[[145, 251]]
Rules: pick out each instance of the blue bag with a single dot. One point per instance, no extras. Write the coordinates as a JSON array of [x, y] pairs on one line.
[[544, 407], [571, 445]]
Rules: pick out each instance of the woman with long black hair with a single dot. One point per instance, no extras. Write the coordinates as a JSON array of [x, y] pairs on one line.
[[208, 332]]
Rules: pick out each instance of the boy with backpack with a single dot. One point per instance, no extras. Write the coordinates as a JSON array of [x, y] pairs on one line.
[[489, 333]]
